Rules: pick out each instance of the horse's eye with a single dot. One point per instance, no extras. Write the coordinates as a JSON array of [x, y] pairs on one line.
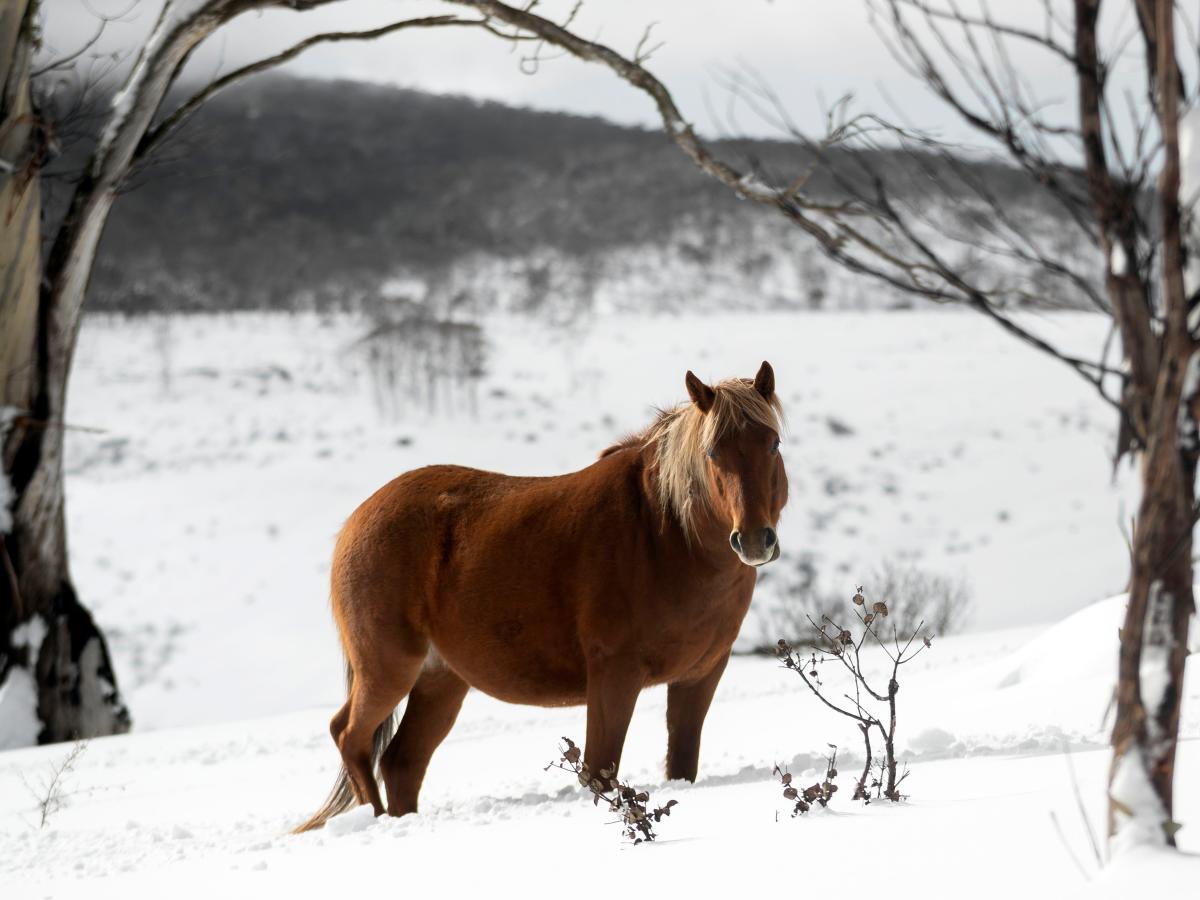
[[775, 446], [712, 453]]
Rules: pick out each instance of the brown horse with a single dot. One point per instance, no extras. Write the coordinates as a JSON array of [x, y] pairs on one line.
[[579, 588]]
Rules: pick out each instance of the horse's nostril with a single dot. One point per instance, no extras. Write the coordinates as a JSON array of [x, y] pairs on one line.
[[770, 538], [735, 541]]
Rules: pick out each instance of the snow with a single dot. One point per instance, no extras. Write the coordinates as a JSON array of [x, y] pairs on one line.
[[174, 14], [1189, 193], [1185, 426], [19, 724], [1140, 813], [1154, 671], [201, 520], [30, 635], [233, 447], [750, 185], [194, 811], [1118, 264], [7, 414]]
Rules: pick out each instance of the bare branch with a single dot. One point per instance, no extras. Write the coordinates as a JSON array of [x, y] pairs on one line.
[[155, 136], [835, 236]]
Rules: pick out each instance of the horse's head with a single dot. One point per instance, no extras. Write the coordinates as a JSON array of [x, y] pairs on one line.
[[747, 484]]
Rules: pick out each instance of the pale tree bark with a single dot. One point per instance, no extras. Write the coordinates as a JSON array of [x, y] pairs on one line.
[[47, 637], [50, 646]]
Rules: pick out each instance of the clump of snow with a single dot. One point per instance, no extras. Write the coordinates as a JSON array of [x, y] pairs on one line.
[[174, 14], [676, 125], [1184, 425], [1154, 672], [7, 496], [30, 635], [1189, 192], [1139, 813], [19, 725], [357, 819], [753, 186], [1117, 261]]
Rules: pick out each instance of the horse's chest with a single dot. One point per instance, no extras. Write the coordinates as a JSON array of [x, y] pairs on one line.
[[692, 634]]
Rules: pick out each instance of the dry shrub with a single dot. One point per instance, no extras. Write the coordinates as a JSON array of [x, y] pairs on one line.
[[914, 596], [632, 806], [857, 694], [820, 792]]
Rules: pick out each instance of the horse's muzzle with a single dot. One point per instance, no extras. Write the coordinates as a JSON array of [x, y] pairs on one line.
[[756, 548]]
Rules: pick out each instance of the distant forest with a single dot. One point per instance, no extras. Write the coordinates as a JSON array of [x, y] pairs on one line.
[[287, 193]]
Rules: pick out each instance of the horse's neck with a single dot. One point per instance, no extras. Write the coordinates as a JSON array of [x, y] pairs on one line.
[[709, 538]]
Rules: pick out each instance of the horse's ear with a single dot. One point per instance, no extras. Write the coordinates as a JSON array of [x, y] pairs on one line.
[[764, 381], [702, 395]]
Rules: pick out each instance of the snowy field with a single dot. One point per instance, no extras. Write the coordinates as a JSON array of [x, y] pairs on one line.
[[228, 450], [203, 515], [984, 719]]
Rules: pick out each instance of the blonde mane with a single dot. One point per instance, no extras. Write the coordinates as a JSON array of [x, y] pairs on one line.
[[682, 436]]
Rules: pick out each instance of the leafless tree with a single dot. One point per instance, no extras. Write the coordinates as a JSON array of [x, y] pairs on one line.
[[1120, 185], [42, 292]]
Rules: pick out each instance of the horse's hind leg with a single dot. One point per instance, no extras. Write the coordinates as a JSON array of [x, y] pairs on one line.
[[374, 694], [429, 715]]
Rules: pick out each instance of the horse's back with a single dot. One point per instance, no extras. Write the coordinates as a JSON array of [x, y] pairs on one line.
[[492, 568]]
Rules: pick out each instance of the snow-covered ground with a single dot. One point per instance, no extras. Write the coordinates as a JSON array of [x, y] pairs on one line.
[[202, 517], [230, 449], [1003, 730]]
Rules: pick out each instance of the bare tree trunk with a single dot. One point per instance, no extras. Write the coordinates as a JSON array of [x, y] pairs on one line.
[[1154, 636], [47, 638]]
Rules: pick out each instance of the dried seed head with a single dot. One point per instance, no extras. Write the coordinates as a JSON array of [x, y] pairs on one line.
[[859, 599], [869, 618], [880, 607]]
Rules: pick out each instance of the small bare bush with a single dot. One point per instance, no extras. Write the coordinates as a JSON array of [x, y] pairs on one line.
[[831, 643], [632, 806], [50, 791], [914, 596], [424, 361]]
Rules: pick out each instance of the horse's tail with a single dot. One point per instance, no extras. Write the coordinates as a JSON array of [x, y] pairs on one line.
[[341, 797]]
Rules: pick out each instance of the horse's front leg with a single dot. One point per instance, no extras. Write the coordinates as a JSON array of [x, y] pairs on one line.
[[612, 691], [687, 705]]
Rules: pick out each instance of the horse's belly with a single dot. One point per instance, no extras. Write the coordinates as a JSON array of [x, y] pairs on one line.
[[519, 675]]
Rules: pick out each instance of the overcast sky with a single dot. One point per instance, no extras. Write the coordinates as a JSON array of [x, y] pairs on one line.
[[810, 51]]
